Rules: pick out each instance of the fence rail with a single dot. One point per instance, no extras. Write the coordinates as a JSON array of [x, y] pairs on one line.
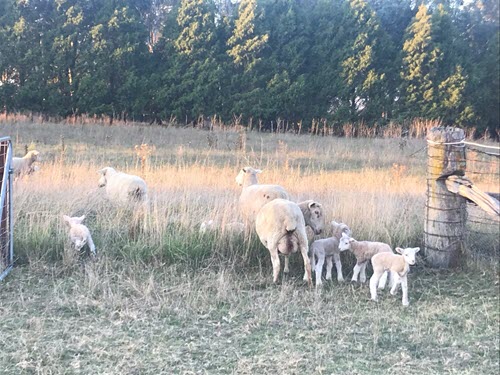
[[6, 218]]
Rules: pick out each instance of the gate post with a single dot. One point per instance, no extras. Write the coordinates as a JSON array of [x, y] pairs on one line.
[[445, 214]]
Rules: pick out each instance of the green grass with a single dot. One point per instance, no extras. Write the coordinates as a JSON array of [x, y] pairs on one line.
[[114, 317]]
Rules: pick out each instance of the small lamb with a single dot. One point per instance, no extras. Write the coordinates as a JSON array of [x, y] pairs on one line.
[[233, 228], [24, 165], [328, 248], [363, 251], [79, 234], [398, 266]]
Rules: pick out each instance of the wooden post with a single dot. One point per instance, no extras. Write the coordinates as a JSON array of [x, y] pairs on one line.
[[445, 214]]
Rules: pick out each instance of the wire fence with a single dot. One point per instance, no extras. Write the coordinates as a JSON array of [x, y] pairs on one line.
[[6, 223], [482, 237]]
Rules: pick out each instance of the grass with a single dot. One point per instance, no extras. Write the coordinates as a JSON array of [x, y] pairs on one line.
[[166, 299]]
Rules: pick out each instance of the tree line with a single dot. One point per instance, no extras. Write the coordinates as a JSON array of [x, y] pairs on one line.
[[347, 61]]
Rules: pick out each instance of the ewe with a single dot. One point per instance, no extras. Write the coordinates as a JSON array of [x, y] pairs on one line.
[[254, 196], [122, 187], [328, 248], [398, 266], [79, 234], [24, 165], [363, 251], [281, 228]]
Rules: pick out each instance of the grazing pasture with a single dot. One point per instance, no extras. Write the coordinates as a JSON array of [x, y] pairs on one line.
[[163, 298]]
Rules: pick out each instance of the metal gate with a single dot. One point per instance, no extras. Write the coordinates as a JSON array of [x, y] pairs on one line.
[[6, 223]]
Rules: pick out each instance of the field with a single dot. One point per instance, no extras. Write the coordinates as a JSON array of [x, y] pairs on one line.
[[166, 299]]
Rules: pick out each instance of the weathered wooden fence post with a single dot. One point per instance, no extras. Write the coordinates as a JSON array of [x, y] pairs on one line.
[[445, 215]]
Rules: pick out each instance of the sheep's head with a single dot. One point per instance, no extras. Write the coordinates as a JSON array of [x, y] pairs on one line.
[[345, 242], [316, 218], [105, 172], [339, 228], [70, 221], [34, 156], [408, 254], [247, 176]]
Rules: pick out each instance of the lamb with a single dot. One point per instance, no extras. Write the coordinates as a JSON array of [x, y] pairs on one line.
[[398, 266], [329, 248], [281, 228], [254, 196], [233, 228], [122, 187], [24, 165], [363, 251], [314, 219], [79, 234]]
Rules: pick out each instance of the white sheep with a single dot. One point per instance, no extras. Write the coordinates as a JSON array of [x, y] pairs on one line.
[[328, 248], [315, 221], [398, 266], [253, 195], [79, 234], [24, 165], [234, 228], [363, 251], [281, 228], [122, 187]]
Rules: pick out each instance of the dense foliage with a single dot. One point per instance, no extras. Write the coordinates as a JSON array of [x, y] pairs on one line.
[[370, 61]]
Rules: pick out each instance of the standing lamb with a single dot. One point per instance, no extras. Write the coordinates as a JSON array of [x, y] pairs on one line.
[[24, 165], [254, 196], [79, 234], [314, 219], [281, 228], [363, 251], [398, 266], [328, 248], [122, 187], [233, 228]]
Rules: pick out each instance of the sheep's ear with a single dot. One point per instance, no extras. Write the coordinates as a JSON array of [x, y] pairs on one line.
[[417, 249], [66, 218], [345, 235], [399, 250], [313, 204], [258, 171], [102, 171], [345, 229], [333, 222], [244, 170], [81, 218], [351, 239]]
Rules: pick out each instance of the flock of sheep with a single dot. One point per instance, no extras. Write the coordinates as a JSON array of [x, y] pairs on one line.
[[282, 226]]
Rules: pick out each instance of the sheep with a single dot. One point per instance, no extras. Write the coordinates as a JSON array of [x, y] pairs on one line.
[[122, 187], [24, 165], [79, 234], [281, 228], [314, 219], [233, 228], [398, 266], [328, 248], [363, 250], [254, 196]]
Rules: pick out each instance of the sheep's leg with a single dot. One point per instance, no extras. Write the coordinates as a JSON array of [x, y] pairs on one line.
[[307, 264], [329, 267], [404, 287], [312, 261], [338, 265], [395, 282], [287, 263], [91, 246], [319, 267], [373, 285], [383, 280], [355, 272], [362, 277], [275, 260]]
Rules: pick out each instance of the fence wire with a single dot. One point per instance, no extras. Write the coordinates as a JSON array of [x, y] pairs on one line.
[[6, 244], [483, 230]]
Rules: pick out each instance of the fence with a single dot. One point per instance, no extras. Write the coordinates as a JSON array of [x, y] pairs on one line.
[[462, 208], [6, 222]]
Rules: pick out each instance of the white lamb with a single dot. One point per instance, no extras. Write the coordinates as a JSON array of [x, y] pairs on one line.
[[233, 228], [281, 228], [122, 187], [24, 165], [254, 196], [79, 234], [363, 251], [314, 219], [398, 266], [328, 248]]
